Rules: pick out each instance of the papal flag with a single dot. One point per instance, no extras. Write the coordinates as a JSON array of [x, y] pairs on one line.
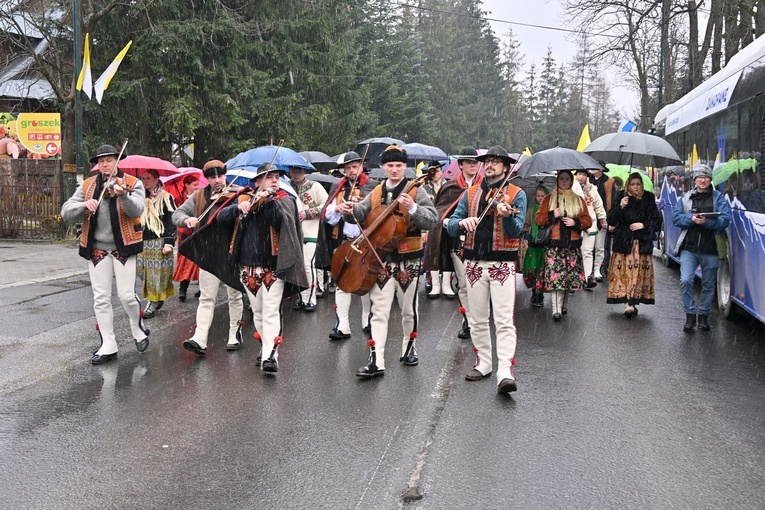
[[103, 81], [584, 138], [85, 80]]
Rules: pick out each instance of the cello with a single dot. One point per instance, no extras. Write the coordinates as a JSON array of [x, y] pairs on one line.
[[357, 263]]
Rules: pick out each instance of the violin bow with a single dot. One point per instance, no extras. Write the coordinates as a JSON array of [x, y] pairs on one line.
[[113, 172]]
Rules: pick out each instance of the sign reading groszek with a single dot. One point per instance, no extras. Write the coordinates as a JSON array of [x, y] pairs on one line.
[[40, 133]]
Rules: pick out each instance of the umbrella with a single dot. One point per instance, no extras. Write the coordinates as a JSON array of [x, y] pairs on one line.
[[385, 140], [633, 148], [623, 172], [375, 148], [173, 184], [136, 165], [452, 170], [325, 180], [530, 183], [322, 162], [723, 172], [555, 160], [253, 158], [420, 152], [379, 173]]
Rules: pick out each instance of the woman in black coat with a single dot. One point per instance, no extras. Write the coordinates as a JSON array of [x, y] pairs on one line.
[[634, 218]]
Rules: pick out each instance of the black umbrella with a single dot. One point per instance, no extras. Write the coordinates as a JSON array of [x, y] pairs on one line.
[[325, 180], [555, 160], [322, 162], [633, 148], [529, 184]]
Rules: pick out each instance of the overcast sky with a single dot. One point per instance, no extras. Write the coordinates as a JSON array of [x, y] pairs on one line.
[[534, 41]]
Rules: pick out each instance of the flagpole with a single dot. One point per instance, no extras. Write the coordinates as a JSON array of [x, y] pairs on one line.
[[77, 99]]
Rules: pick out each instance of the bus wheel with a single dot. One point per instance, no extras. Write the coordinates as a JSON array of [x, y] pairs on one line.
[[724, 302]]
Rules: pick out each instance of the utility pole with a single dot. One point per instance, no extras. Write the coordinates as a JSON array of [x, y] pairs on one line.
[[77, 98]]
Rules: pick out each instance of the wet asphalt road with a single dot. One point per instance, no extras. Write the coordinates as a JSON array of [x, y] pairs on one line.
[[610, 413]]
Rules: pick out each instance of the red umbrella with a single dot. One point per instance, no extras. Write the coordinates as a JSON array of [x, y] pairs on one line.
[[174, 183], [452, 170], [135, 165]]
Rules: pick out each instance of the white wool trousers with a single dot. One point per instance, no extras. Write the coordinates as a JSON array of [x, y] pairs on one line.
[[101, 276], [491, 285], [208, 295], [588, 254], [459, 271], [314, 276], [267, 314], [600, 252], [343, 310], [382, 303]]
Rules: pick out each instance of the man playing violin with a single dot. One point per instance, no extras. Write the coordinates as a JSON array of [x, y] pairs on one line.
[[210, 199], [491, 215], [267, 249], [400, 277], [110, 205], [443, 251], [352, 188]]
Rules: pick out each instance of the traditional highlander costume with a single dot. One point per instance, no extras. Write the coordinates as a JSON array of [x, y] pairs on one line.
[[266, 247], [490, 251], [444, 252], [110, 240], [402, 266], [155, 267], [311, 200], [197, 203], [333, 232]]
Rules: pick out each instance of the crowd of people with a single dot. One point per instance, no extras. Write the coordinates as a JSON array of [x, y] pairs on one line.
[[377, 240]]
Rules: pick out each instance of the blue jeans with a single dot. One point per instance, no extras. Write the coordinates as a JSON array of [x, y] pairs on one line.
[[709, 263]]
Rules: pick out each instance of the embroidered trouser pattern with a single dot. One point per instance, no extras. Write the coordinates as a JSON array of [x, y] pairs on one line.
[[266, 302], [106, 269], [208, 288], [491, 286], [382, 303]]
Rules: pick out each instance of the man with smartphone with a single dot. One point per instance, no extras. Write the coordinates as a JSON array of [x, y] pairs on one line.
[[701, 213]]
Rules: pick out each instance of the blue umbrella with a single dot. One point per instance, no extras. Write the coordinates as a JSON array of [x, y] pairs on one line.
[[253, 158], [241, 177], [420, 151]]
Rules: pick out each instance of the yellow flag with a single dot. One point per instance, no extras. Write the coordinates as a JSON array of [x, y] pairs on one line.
[[584, 139], [694, 157], [85, 80], [526, 151], [103, 81]]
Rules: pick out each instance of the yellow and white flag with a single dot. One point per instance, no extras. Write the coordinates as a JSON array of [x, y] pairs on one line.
[[584, 139], [85, 80], [103, 81]]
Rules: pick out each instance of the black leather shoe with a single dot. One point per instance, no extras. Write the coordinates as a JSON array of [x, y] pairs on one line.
[[449, 297], [100, 359], [475, 375], [591, 283], [564, 310], [269, 366], [598, 278], [150, 310], [507, 386], [369, 370], [182, 295], [299, 305], [309, 308], [690, 322], [192, 346], [259, 358], [234, 347], [197, 293], [464, 333], [556, 317], [704, 323], [160, 304], [339, 335], [142, 345], [434, 296], [410, 359], [367, 329]]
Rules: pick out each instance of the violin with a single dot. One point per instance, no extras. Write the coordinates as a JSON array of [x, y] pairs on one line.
[[257, 199], [225, 193], [494, 198], [116, 181]]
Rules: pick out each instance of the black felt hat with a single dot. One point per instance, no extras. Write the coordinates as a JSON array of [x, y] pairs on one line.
[[106, 150]]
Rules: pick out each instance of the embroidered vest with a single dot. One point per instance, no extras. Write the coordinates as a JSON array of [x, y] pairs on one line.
[[412, 243], [501, 242], [128, 234]]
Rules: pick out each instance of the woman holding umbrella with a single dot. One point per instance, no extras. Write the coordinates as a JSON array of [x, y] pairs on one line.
[[634, 217], [565, 214], [155, 263]]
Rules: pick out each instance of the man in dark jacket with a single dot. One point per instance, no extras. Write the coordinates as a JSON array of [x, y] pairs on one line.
[[702, 213]]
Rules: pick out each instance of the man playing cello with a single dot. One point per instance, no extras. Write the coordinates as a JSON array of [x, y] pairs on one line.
[[401, 266]]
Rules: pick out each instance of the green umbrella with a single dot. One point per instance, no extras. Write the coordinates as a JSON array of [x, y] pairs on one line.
[[624, 171], [723, 172]]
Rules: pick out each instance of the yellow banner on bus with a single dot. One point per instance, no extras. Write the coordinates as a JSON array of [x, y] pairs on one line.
[[40, 133]]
